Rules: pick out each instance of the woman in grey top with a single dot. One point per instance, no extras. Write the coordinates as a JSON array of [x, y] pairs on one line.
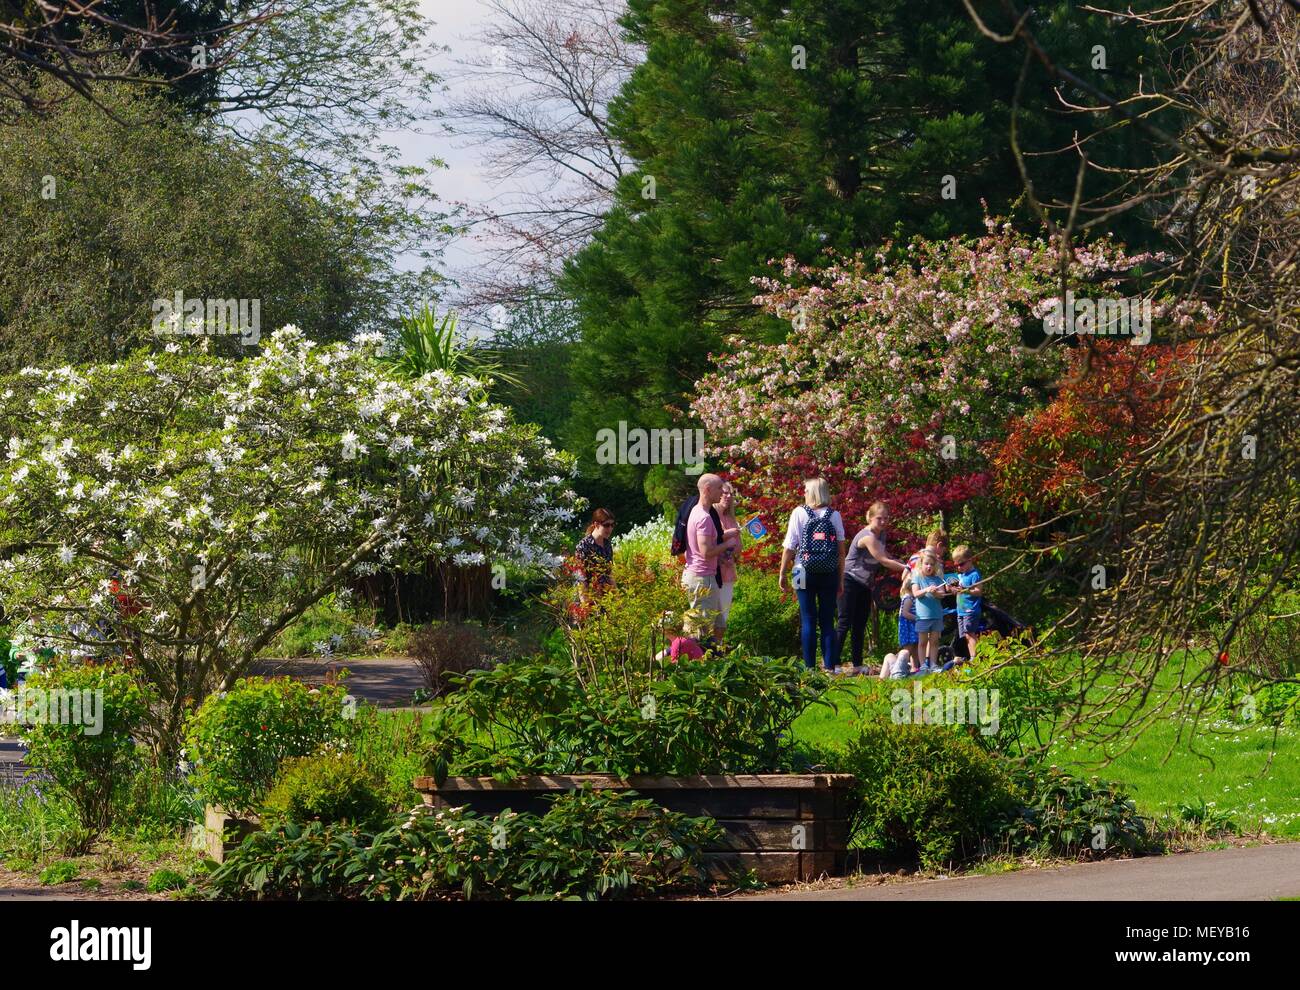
[[865, 558]]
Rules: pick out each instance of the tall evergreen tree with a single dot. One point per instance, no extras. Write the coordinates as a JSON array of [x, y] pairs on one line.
[[763, 129]]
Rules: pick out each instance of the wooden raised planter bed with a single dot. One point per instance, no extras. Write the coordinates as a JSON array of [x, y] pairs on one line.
[[784, 827]]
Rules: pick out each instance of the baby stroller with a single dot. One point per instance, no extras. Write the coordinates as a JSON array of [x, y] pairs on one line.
[[995, 620]]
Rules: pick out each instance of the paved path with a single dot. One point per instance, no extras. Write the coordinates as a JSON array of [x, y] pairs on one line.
[[11, 761], [387, 682], [1258, 873]]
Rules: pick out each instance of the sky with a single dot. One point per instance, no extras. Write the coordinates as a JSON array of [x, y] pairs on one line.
[[454, 23]]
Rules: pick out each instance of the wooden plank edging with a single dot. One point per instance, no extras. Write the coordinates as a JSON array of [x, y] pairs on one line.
[[604, 781]]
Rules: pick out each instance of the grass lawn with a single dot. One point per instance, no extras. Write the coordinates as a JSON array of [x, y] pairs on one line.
[[1228, 768]]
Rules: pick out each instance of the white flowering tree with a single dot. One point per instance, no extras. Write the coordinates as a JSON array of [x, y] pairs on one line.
[[183, 509]]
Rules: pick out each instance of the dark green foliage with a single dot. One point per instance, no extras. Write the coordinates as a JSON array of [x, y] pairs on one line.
[[87, 748], [1064, 815], [327, 787], [588, 846], [237, 739], [729, 714], [104, 216], [925, 792], [762, 620], [753, 158], [162, 881], [1032, 694], [535, 344]]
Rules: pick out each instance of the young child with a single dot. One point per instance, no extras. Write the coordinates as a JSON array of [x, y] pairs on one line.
[[927, 587], [970, 597], [896, 666], [907, 618], [682, 642]]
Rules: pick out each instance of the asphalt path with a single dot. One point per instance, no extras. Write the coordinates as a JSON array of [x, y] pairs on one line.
[[1256, 873]]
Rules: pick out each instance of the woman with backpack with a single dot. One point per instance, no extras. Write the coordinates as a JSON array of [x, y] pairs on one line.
[[814, 545]]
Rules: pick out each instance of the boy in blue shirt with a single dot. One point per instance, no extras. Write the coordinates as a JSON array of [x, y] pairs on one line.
[[970, 600]]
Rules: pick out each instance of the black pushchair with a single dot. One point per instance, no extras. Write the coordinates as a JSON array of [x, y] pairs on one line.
[[995, 620]]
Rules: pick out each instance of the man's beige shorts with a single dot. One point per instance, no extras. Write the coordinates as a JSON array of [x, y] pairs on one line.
[[705, 594]]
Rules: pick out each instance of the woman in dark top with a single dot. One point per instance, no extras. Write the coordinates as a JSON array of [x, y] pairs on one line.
[[595, 554], [863, 563]]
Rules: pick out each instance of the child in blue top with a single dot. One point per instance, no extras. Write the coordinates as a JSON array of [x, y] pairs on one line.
[[927, 586], [970, 597]]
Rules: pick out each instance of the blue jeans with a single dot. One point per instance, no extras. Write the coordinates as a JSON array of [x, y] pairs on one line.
[[817, 609]]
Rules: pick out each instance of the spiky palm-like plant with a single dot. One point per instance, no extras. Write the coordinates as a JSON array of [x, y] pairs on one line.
[[427, 343]]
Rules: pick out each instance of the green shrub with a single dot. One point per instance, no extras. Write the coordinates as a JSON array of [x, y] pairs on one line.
[[601, 698], [327, 787], [89, 755], [554, 647], [64, 871], [397, 641], [1262, 686], [1244, 698], [626, 630], [1188, 826], [588, 845], [237, 739], [923, 791], [597, 844], [1031, 695], [729, 714], [164, 880], [1065, 815], [762, 621]]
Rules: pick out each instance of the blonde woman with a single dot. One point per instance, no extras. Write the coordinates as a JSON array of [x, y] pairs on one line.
[[864, 561], [813, 556], [727, 561]]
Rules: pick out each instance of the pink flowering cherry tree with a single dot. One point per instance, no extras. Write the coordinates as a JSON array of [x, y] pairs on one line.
[[898, 371]]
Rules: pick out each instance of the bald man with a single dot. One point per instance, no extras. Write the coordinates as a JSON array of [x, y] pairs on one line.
[[702, 577]]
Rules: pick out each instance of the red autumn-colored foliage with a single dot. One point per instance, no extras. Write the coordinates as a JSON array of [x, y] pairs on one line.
[[908, 487], [1113, 404]]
